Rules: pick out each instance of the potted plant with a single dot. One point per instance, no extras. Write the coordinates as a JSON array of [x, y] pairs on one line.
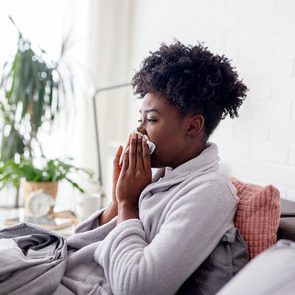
[[34, 90], [39, 173]]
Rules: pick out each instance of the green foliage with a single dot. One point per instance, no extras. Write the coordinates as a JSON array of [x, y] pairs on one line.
[[34, 90], [11, 172]]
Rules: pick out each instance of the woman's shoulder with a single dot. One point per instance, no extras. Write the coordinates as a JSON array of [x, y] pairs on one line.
[[212, 186]]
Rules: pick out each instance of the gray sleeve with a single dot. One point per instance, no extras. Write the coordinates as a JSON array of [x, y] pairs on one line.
[[89, 231], [90, 223], [188, 235]]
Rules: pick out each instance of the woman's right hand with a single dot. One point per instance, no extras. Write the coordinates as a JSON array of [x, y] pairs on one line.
[[112, 210], [116, 173]]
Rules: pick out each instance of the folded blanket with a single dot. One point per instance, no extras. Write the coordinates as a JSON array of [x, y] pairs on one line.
[[32, 260]]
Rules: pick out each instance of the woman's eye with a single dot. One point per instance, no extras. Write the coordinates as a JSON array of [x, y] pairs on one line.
[[148, 120]]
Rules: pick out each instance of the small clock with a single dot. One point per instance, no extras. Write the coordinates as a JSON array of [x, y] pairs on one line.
[[40, 203]]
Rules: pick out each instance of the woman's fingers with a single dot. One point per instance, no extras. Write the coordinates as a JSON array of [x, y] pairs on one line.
[[116, 164], [125, 164], [124, 151], [118, 156], [139, 159], [133, 151], [136, 155]]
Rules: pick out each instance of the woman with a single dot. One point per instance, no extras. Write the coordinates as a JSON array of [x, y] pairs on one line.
[[160, 230]]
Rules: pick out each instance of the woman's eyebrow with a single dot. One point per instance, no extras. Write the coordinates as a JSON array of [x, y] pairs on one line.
[[150, 110]]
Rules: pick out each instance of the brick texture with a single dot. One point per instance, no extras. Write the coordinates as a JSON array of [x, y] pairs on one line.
[[262, 146]]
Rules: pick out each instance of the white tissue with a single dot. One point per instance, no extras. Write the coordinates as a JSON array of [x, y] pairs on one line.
[[151, 145]]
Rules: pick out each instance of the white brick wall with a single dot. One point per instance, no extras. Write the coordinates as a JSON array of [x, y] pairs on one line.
[[265, 131], [259, 36]]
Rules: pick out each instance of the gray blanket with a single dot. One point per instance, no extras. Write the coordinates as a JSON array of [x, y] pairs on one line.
[[184, 215], [32, 260]]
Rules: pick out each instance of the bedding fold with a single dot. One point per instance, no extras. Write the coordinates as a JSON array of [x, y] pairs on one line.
[[32, 260]]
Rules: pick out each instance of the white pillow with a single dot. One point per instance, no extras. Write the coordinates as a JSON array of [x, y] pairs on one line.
[[272, 272]]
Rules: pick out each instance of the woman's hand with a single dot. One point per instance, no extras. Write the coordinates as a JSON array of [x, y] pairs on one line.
[[135, 175], [116, 173], [112, 209]]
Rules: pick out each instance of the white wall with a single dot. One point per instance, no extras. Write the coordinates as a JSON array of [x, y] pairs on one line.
[[113, 36], [259, 37]]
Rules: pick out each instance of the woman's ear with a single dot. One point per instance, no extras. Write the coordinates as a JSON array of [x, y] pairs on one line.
[[195, 125]]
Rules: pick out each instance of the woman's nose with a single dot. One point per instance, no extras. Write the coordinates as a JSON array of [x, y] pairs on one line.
[[141, 130]]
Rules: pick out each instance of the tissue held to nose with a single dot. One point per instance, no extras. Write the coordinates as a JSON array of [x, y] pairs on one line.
[[151, 145]]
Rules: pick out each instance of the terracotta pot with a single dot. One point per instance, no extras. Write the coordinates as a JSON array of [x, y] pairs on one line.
[[30, 186]]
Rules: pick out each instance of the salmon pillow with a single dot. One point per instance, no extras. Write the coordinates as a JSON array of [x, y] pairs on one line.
[[258, 215]]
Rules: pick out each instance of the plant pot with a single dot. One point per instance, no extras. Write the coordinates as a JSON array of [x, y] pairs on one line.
[[47, 187]]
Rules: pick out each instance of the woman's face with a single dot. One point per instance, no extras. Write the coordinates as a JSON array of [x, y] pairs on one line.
[[166, 128]]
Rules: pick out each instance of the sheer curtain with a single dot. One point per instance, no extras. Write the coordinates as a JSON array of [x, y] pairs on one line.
[[110, 28], [99, 55]]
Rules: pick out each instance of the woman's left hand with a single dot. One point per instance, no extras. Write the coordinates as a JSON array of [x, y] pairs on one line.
[[135, 175]]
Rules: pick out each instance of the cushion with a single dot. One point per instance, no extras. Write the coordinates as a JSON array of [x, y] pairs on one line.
[[258, 215], [271, 272], [226, 260]]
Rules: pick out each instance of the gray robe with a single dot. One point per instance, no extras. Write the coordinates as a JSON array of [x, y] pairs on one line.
[[185, 224], [185, 230]]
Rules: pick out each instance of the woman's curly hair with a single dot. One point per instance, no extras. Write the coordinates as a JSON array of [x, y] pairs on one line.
[[194, 80]]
